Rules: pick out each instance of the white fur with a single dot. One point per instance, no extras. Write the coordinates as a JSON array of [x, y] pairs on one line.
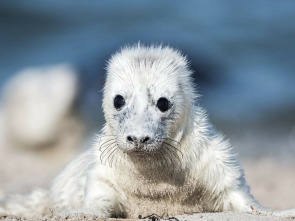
[[109, 180]]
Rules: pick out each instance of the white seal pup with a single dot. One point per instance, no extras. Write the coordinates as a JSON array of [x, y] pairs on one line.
[[156, 153]]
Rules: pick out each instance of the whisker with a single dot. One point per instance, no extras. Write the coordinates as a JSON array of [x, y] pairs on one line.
[[107, 148], [163, 156], [174, 148], [105, 143], [105, 157], [169, 156], [110, 154], [168, 138], [174, 154]]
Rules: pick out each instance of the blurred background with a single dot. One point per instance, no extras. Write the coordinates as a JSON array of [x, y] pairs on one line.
[[52, 60]]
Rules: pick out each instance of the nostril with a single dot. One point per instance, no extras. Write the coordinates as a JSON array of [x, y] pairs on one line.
[[129, 138], [146, 139]]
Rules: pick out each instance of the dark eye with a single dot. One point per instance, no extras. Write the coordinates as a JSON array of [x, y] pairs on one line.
[[119, 102], [163, 104]]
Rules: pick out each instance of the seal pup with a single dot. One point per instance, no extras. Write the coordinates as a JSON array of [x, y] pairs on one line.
[[157, 152]]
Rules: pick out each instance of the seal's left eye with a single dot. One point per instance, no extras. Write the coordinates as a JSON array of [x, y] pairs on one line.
[[119, 102], [163, 104]]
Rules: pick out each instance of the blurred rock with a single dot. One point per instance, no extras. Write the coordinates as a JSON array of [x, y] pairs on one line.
[[40, 129], [38, 106]]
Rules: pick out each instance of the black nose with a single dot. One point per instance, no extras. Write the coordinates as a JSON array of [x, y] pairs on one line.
[[144, 140], [133, 139]]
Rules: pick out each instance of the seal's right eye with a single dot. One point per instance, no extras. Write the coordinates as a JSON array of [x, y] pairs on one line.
[[163, 104], [119, 102]]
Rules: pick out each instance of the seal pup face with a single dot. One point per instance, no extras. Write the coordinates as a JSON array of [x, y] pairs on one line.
[[148, 95]]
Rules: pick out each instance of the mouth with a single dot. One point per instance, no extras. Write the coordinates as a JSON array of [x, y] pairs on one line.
[[137, 152], [140, 151]]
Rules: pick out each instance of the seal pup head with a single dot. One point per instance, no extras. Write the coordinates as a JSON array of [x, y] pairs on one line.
[[148, 98]]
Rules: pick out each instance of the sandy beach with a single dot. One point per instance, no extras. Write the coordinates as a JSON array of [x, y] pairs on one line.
[[228, 216], [272, 183]]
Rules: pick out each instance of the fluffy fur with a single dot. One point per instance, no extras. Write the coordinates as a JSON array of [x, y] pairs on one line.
[[186, 166]]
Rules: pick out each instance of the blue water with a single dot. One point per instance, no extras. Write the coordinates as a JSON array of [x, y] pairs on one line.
[[242, 52]]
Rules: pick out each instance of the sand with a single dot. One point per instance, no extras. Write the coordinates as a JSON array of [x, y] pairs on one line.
[[198, 216], [272, 183]]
